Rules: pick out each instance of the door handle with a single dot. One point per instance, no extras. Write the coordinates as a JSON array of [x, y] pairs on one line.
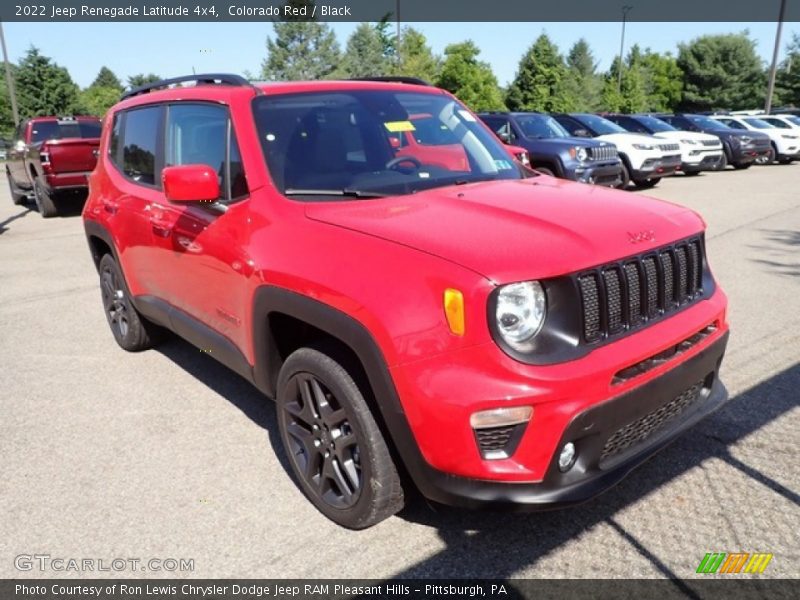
[[160, 227], [111, 207]]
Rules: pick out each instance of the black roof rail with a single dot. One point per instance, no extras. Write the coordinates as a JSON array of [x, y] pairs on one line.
[[205, 78], [394, 79]]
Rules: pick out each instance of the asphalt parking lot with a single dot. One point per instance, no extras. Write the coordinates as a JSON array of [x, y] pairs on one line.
[[166, 454]]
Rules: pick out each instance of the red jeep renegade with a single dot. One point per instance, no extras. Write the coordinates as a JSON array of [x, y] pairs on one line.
[[498, 336]]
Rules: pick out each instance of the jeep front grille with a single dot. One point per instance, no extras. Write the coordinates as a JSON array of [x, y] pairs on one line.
[[669, 147], [620, 296], [711, 143], [600, 153]]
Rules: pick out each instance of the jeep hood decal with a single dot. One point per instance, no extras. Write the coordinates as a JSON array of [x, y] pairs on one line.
[[515, 230]]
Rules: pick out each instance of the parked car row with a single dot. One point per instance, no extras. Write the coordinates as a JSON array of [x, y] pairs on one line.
[[619, 149]]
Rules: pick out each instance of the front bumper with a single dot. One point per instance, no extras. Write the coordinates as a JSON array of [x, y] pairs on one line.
[[655, 168], [748, 153], [703, 161], [592, 430], [606, 174]]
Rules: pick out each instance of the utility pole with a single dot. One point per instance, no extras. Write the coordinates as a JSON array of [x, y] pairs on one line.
[[774, 68], [625, 10], [9, 78]]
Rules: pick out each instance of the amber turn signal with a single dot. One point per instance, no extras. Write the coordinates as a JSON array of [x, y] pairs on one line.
[[454, 310]]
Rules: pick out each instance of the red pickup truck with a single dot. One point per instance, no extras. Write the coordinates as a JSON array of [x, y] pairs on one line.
[[52, 155]]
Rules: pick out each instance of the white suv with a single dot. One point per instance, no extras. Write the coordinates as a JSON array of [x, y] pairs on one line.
[[783, 122], [699, 151], [645, 159], [785, 143]]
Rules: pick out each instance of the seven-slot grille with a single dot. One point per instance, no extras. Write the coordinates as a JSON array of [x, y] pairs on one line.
[[713, 143], [623, 295], [669, 147], [603, 152]]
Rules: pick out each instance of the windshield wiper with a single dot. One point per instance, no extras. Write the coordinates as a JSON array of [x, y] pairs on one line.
[[344, 193]]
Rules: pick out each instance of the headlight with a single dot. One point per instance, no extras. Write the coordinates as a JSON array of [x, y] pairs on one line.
[[581, 154], [745, 139], [644, 146], [520, 312], [690, 142]]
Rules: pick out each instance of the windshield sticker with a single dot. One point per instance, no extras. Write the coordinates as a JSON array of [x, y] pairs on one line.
[[503, 165], [466, 115], [397, 126]]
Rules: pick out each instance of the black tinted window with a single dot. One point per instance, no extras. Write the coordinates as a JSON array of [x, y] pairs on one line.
[[570, 124], [140, 142], [61, 130], [113, 145]]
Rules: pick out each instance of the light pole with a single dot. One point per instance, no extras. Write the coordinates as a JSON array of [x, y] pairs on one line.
[[625, 10], [9, 78], [774, 68]]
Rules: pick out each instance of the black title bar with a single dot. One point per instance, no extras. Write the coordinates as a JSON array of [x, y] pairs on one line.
[[410, 10]]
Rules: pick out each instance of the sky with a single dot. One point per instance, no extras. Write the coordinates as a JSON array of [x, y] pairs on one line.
[[173, 49]]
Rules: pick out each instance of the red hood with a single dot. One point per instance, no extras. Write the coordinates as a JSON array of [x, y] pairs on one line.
[[516, 230]]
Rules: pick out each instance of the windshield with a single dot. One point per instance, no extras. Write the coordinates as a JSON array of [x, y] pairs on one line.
[[758, 124], [600, 125], [654, 124], [541, 126], [706, 123], [372, 143], [793, 119], [62, 130]]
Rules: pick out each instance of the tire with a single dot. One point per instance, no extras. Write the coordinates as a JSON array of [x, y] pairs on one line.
[[132, 332], [742, 166], [545, 171], [44, 200], [336, 450], [691, 173], [769, 158], [17, 197], [646, 184], [786, 161], [723, 164], [625, 177]]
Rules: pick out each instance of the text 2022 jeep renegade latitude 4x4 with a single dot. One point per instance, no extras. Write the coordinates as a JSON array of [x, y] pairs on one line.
[[498, 336]]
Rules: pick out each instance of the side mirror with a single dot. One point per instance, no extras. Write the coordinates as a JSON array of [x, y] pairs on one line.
[[582, 133], [190, 183], [504, 136]]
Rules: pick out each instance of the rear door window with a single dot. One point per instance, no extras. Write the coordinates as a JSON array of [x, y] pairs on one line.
[[141, 134]]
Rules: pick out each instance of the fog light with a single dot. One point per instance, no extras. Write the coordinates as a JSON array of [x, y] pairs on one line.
[[567, 457]]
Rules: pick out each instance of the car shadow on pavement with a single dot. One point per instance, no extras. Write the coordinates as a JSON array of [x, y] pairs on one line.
[[495, 544], [783, 244], [13, 218]]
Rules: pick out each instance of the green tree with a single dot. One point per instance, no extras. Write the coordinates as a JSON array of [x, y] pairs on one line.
[[141, 79], [721, 71], [301, 50], [632, 96], [365, 55], [787, 81], [44, 88], [469, 78], [663, 81], [106, 78], [416, 57], [6, 116], [540, 80], [97, 99], [582, 84]]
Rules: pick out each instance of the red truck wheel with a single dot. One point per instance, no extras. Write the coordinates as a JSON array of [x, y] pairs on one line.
[[44, 200], [17, 197]]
